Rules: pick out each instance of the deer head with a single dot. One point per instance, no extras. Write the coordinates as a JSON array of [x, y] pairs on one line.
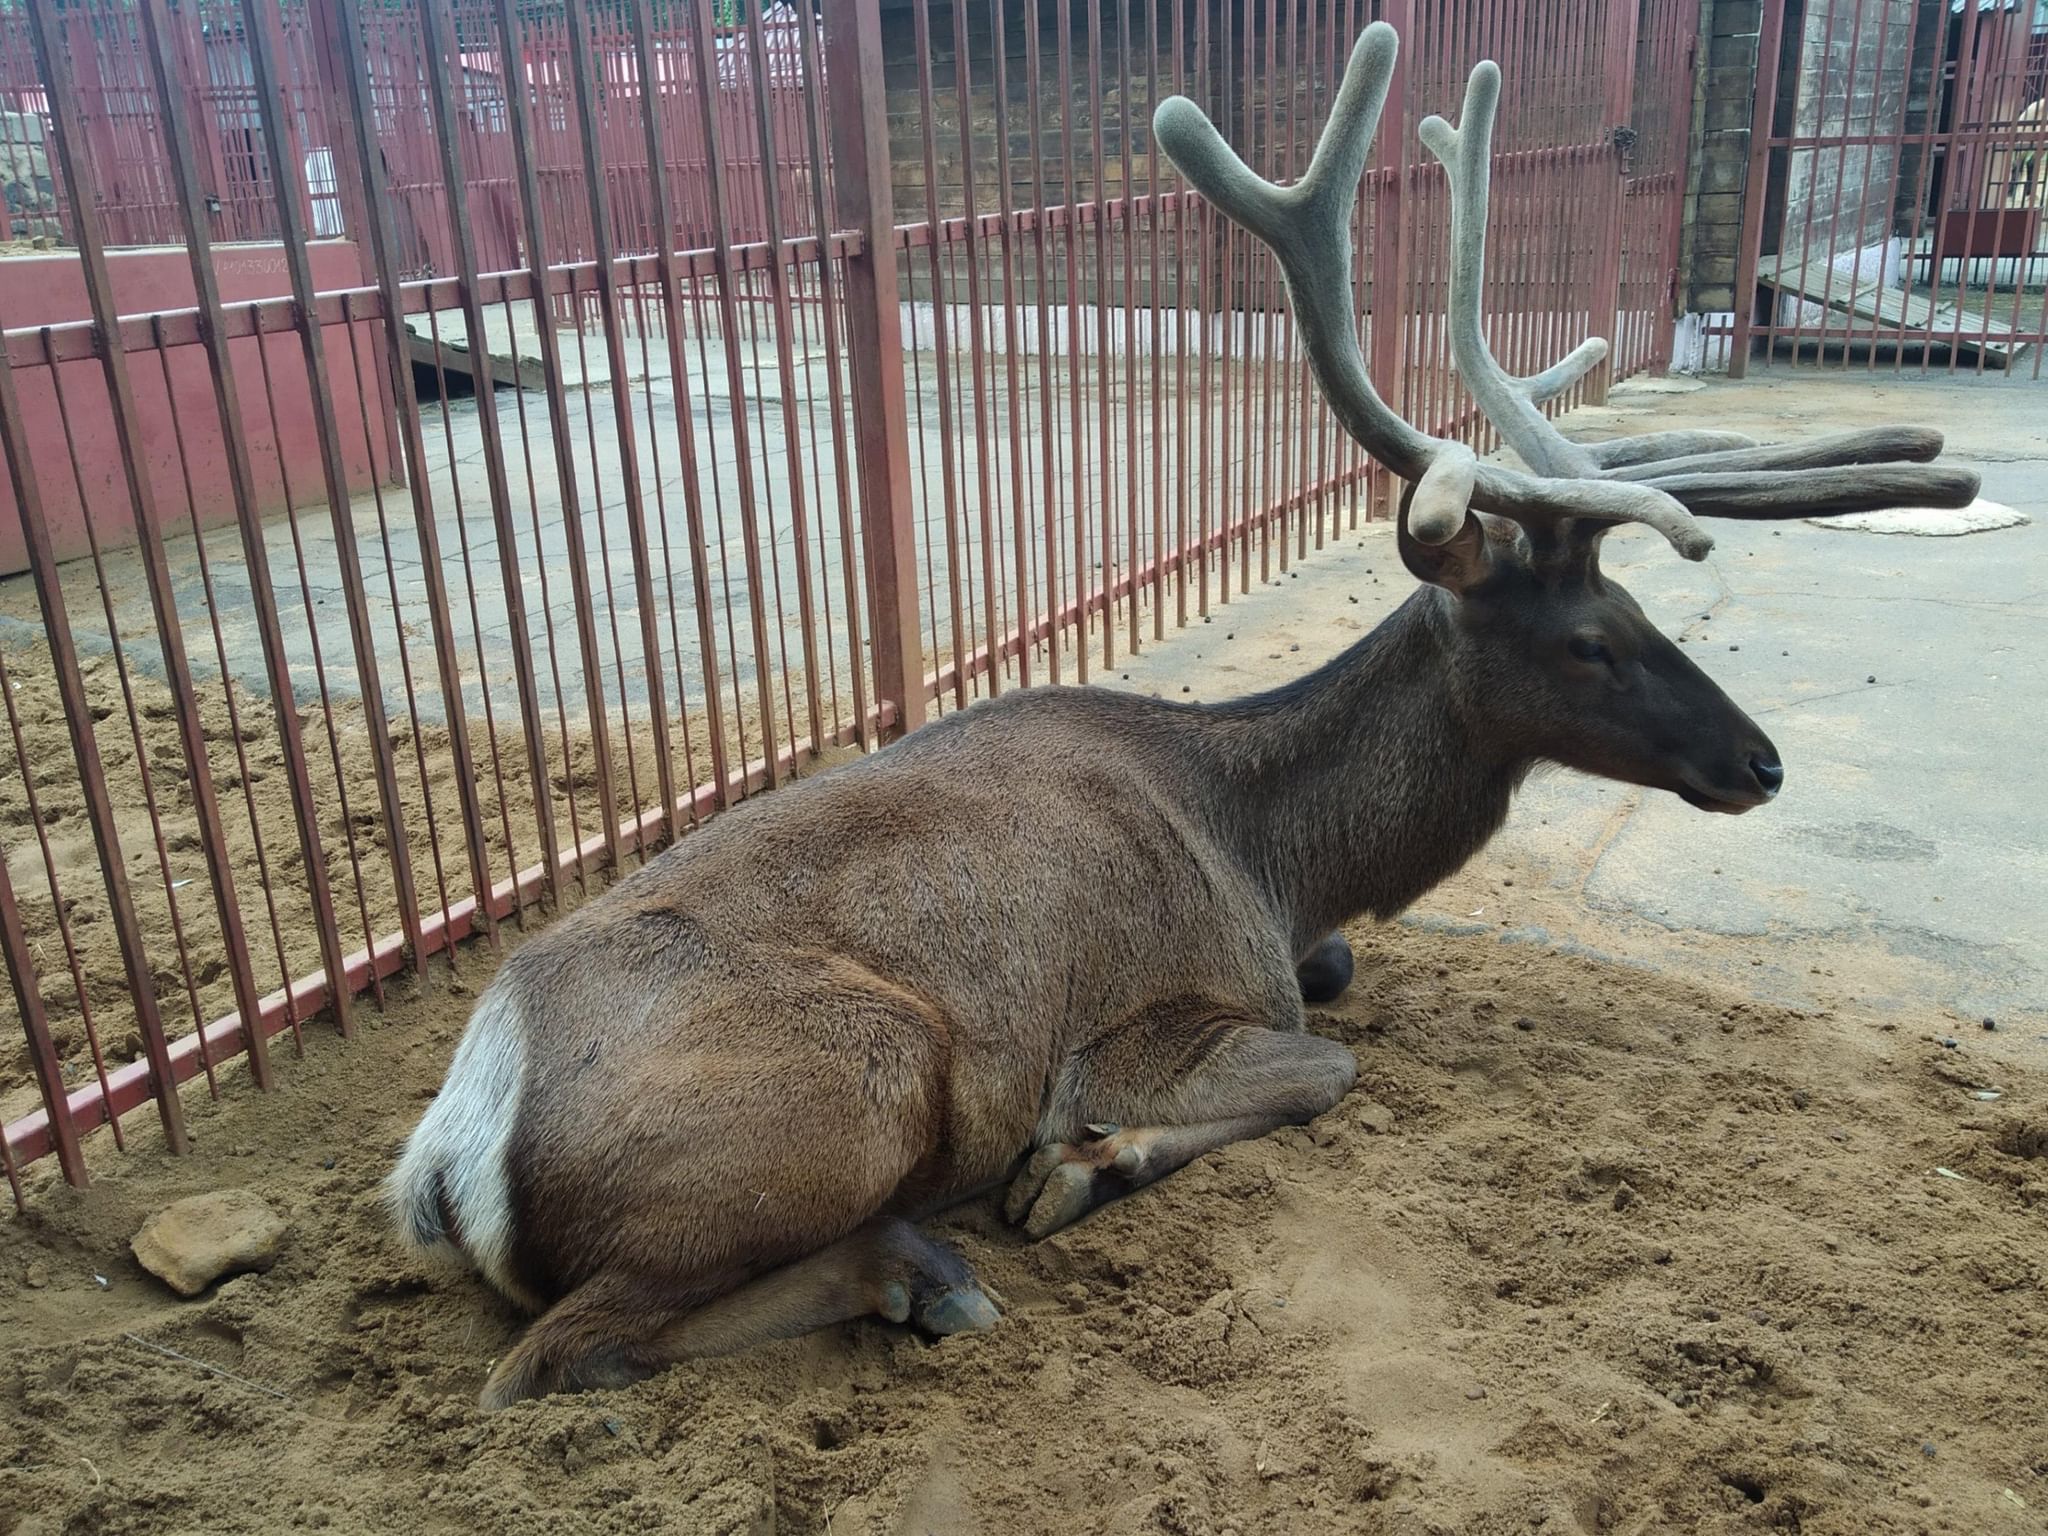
[[1552, 656]]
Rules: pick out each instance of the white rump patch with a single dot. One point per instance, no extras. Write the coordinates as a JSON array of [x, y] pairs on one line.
[[1980, 516], [460, 1148]]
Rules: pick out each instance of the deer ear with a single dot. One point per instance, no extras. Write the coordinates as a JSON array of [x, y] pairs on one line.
[[1458, 565]]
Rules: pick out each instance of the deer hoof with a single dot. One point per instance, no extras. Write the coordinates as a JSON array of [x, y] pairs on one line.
[[1069, 1194], [960, 1309]]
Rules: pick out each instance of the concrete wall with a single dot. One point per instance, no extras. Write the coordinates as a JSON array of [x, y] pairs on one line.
[[49, 289]]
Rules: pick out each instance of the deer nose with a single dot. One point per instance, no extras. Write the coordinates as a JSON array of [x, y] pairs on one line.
[[1769, 774]]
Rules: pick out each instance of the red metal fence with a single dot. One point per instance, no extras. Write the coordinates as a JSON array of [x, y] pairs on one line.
[[122, 129], [797, 473], [1897, 204]]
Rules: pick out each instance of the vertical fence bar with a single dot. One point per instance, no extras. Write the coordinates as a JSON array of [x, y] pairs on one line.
[[344, 43], [164, 69], [829, 324], [663, 214], [1762, 123], [519, 115], [785, 370], [443, 55], [860, 160], [87, 233], [285, 180], [1015, 403], [21, 969], [1618, 41], [705, 59], [610, 316]]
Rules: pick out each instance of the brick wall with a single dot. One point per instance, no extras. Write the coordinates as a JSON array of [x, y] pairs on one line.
[[1815, 93], [1721, 151]]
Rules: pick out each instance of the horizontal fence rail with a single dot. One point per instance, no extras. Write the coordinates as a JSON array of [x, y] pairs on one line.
[[547, 423]]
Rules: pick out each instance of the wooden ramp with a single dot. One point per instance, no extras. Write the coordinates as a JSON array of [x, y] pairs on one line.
[[461, 367], [1903, 318]]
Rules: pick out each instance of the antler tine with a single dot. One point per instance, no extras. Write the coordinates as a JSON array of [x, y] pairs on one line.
[[1308, 227], [1510, 403]]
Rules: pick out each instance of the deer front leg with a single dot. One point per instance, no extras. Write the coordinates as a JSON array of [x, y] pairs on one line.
[[1157, 1095]]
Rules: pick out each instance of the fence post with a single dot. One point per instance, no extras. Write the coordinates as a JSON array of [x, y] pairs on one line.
[[874, 325]]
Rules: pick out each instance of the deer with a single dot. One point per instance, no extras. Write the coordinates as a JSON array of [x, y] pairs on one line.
[[1062, 943]]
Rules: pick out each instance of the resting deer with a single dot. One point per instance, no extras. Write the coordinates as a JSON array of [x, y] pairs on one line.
[[1060, 938]]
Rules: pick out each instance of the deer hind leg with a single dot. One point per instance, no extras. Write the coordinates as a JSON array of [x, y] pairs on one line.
[[1158, 1095], [615, 1330]]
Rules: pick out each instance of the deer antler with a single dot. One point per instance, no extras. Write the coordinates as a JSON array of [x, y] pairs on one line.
[[1661, 481]]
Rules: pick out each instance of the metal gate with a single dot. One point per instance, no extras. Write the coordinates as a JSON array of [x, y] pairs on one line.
[[1897, 201]]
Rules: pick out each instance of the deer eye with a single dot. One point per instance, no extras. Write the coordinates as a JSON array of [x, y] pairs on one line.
[[1588, 649]]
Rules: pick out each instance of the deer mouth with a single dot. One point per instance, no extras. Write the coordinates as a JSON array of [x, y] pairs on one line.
[[1705, 802]]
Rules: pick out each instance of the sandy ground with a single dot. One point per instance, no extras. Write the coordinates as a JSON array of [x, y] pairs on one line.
[[1588, 1249]]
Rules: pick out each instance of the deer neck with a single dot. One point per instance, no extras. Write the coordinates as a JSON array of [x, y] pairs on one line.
[[1361, 786]]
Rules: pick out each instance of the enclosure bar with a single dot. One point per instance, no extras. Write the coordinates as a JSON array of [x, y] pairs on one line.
[[640, 19], [65, 935], [89, 237], [1063, 20], [1182, 338], [1762, 120], [286, 183], [963, 101], [520, 118], [1154, 282], [941, 340], [1104, 359], [1132, 462], [21, 967], [611, 317], [1896, 143], [704, 57], [581, 315], [785, 371], [442, 47], [403, 646], [47, 578], [1806, 239], [377, 232], [835, 385], [1018, 400], [213, 331], [861, 179]]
